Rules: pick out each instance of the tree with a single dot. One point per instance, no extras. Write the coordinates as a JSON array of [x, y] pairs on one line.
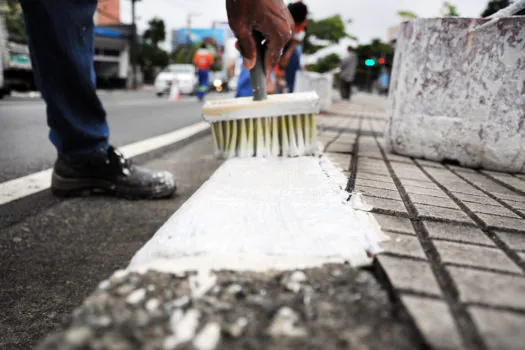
[[325, 64], [156, 33], [331, 30], [150, 55], [14, 21], [494, 6], [449, 10]]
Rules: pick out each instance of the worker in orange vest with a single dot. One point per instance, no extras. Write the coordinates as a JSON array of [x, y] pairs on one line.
[[203, 60]]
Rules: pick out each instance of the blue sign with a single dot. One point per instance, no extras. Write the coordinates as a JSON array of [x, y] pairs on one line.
[[113, 33], [197, 35]]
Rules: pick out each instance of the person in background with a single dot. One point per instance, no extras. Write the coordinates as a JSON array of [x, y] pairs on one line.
[[203, 60], [383, 81], [282, 77], [347, 75], [61, 43], [290, 61]]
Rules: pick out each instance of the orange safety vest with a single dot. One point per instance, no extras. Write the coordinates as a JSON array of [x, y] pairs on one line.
[[203, 59]]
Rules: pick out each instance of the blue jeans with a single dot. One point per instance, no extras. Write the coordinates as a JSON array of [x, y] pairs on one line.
[[204, 82], [61, 44]]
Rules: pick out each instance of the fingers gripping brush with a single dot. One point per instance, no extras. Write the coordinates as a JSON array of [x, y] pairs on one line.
[[265, 126]]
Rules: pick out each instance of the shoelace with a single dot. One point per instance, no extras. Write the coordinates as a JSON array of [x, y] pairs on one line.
[[125, 164]]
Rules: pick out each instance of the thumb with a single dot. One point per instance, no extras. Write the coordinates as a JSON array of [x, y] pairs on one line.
[[246, 46]]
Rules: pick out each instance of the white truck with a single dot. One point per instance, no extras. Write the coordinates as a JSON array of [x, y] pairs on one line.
[[15, 63]]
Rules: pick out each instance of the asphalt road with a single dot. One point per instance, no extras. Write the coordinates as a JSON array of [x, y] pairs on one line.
[[132, 116]]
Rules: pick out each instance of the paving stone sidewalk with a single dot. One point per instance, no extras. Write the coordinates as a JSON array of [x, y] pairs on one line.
[[456, 258]]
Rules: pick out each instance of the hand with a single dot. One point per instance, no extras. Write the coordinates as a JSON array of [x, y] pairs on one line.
[[271, 18]]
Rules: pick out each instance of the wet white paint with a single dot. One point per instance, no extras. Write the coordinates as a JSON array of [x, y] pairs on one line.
[[259, 214]]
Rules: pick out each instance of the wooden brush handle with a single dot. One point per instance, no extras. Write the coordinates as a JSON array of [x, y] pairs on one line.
[[257, 74]]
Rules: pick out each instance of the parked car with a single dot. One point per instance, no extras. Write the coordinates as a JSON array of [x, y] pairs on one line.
[[185, 75]]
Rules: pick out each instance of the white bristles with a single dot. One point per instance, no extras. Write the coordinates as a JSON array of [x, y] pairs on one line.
[[287, 136]]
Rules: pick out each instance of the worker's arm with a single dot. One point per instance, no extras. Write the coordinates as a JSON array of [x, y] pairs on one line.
[[270, 17]]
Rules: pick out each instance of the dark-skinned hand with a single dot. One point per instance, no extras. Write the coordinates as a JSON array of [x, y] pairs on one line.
[[269, 17]]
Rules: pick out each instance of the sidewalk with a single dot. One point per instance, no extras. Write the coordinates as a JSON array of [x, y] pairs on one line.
[[457, 255], [451, 276]]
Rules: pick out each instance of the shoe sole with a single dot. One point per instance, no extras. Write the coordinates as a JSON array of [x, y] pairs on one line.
[[67, 187]]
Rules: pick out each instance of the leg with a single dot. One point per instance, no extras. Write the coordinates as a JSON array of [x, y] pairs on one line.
[[203, 83], [349, 89], [61, 44]]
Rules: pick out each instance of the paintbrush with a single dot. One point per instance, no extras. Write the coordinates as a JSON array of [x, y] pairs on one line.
[[265, 126]]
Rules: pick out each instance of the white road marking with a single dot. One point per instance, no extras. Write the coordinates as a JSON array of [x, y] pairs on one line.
[[265, 213], [30, 184]]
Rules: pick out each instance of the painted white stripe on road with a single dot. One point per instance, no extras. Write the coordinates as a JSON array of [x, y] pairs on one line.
[[260, 214], [27, 185]]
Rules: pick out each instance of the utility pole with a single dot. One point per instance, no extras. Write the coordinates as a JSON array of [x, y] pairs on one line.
[[188, 33], [133, 47]]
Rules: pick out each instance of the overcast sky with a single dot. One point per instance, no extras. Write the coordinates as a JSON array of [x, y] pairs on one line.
[[370, 18]]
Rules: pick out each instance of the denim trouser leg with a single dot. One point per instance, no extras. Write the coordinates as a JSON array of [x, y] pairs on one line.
[[61, 44]]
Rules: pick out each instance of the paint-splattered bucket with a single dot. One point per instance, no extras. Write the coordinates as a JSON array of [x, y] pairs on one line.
[[458, 92]]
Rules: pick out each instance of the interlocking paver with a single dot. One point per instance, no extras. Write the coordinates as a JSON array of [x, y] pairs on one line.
[[456, 232], [480, 198], [515, 241], [510, 197], [515, 205], [379, 192], [411, 275], [434, 320], [434, 201], [395, 224], [341, 160], [491, 209], [340, 147], [522, 255], [475, 256], [404, 245], [509, 180], [420, 184], [377, 184], [380, 178], [489, 288], [494, 221], [397, 158], [486, 184], [439, 213], [425, 191], [429, 163], [499, 329], [386, 205]]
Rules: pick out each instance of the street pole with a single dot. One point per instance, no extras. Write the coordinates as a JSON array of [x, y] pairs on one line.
[[133, 47], [188, 38]]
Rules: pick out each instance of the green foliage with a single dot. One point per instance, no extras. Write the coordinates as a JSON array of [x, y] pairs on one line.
[[14, 20], [331, 29], [325, 64], [151, 57], [449, 10], [494, 6], [156, 33], [406, 14]]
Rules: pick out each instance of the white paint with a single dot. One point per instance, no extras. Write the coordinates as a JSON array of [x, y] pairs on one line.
[[30, 184], [208, 338], [259, 214], [274, 106]]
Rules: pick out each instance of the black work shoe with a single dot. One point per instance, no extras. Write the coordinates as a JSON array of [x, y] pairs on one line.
[[109, 172]]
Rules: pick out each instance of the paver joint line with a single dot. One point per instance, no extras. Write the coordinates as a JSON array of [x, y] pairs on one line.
[[476, 218], [468, 331]]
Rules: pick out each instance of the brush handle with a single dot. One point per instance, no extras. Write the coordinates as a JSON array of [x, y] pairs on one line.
[[257, 74]]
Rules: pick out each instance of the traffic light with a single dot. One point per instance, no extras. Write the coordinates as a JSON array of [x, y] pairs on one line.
[[370, 62], [381, 61]]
